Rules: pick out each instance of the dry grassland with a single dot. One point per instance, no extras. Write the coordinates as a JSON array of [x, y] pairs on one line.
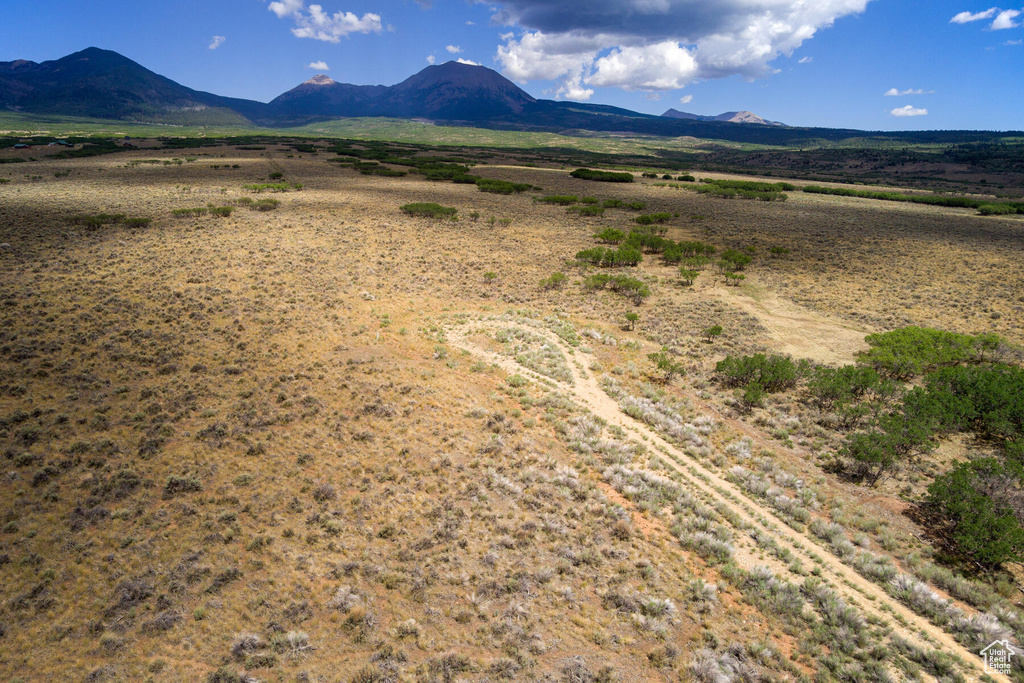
[[251, 446]]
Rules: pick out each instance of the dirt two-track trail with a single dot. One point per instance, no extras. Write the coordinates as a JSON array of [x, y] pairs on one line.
[[855, 589]]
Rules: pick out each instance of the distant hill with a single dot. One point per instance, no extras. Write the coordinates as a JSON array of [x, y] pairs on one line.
[[727, 117], [103, 84]]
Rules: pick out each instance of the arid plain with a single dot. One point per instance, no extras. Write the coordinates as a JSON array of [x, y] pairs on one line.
[[329, 441]]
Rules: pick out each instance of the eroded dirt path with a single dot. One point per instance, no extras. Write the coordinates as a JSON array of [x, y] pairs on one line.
[[856, 590]]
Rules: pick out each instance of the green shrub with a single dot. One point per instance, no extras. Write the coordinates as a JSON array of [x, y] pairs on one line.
[[267, 204], [610, 236], [734, 279], [711, 333], [602, 176], [996, 209], [910, 351], [622, 284], [735, 260], [773, 373], [652, 218], [177, 484], [666, 364], [221, 211], [687, 178], [744, 189], [977, 501], [429, 210], [610, 258], [613, 203], [688, 276], [138, 222], [831, 389], [988, 399], [501, 186], [553, 281], [183, 213]]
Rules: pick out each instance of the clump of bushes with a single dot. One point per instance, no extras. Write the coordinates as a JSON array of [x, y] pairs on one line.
[[745, 189], [910, 351], [553, 281], [652, 218], [622, 284], [193, 211], [610, 236], [611, 258], [501, 186], [602, 176], [560, 199], [429, 210]]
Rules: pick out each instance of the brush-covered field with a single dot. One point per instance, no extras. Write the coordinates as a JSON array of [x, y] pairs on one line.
[[259, 423]]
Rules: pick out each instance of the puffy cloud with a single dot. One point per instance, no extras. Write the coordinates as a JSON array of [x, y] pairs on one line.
[[1005, 20], [686, 99], [287, 8], [967, 17], [655, 44], [216, 42], [908, 110], [460, 60], [431, 59], [664, 66], [453, 49], [319, 66], [806, 60], [317, 24], [893, 92]]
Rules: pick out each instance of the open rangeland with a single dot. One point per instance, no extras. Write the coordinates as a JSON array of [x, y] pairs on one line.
[[291, 432]]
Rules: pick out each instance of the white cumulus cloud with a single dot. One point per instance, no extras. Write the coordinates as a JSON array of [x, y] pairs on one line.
[[216, 42], [806, 60], [313, 22], [460, 60], [908, 110], [686, 99], [968, 17], [893, 92], [655, 44], [319, 66], [431, 59], [1005, 20], [453, 49]]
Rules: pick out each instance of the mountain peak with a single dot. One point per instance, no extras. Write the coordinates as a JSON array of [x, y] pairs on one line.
[[728, 117], [320, 79]]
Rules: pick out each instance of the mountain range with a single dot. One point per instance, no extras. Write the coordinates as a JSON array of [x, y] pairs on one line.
[[99, 83]]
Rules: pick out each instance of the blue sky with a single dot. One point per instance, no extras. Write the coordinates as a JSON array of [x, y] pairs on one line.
[[946, 64]]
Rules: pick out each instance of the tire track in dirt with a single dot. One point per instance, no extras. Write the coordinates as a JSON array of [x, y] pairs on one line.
[[855, 589]]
